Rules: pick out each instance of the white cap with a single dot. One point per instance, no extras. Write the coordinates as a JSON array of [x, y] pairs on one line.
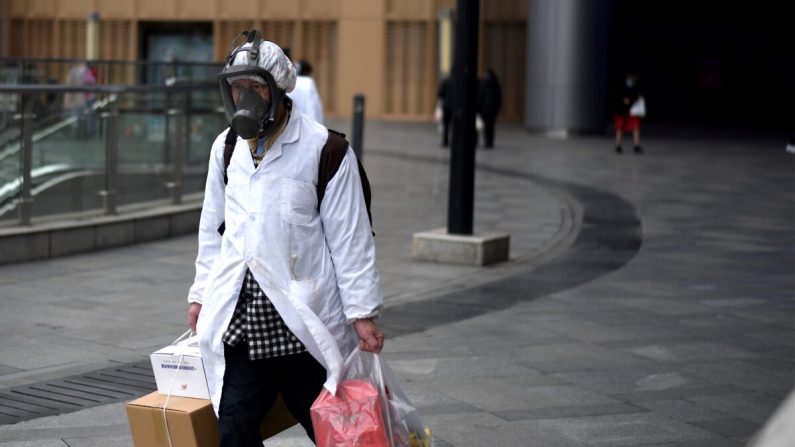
[[273, 60]]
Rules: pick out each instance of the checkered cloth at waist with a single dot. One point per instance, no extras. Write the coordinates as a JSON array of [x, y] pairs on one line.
[[256, 320]]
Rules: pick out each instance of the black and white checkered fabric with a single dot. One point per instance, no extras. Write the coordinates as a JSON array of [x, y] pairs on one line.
[[257, 321]]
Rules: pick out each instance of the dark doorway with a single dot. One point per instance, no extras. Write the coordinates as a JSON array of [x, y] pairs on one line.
[[174, 42], [708, 64]]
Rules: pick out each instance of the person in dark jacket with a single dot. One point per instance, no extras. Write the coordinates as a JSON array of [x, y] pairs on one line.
[[489, 102], [445, 96], [625, 121]]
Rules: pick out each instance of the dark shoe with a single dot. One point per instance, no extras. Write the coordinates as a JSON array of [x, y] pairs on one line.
[[619, 150], [638, 150]]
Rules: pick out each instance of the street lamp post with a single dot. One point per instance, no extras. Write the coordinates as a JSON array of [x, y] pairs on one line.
[[460, 205]]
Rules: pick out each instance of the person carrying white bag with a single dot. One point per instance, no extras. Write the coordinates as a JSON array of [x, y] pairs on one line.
[[285, 284], [630, 109]]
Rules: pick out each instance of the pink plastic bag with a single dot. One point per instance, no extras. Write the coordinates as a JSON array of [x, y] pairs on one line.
[[352, 418], [370, 409]]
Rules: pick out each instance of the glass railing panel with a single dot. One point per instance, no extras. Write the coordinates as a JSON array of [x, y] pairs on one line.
[[69, 156]]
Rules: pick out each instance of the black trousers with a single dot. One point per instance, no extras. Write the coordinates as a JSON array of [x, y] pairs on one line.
[[250, 389], [488, 129], [447, 116]]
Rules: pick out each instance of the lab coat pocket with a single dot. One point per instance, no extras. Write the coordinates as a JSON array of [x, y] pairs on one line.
[[298, 201], [306, 292]]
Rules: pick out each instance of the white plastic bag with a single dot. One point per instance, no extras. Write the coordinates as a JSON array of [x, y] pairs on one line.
[[404, 425], [638, 108]]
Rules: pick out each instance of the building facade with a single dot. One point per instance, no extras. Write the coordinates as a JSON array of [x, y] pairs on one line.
[[390, 50]]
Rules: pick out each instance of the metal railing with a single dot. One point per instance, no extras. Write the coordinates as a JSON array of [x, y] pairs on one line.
[[124, 145], [69, 71]]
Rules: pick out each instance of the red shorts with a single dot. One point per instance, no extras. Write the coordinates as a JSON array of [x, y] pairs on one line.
[[626, 122]]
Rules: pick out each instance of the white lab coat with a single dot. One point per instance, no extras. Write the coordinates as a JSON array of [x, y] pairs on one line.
[[318, 268], [306, 98]]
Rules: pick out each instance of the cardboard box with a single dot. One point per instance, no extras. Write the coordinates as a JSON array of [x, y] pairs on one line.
[[191, 422], [190, 380]]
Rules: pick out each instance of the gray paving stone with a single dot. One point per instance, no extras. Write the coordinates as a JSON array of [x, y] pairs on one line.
[[612, 430], [567, 412], [519, 393], [616, 381], [573, 357], [682, 410], [564, 364], [480, 429], [729, 427], [751, 407], [676, 393], [684, 352], [448, 368], [743, 375]]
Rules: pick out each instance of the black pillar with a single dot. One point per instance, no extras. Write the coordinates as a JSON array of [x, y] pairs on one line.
[[358, 125], [460, 205]]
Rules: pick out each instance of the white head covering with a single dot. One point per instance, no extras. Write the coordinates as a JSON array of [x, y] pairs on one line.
[[273, 60]]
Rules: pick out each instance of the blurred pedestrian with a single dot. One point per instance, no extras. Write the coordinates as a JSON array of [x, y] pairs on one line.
[[80, 104], [89, 78], [305, 96], [445, 101], [489, 102], [630, 108]]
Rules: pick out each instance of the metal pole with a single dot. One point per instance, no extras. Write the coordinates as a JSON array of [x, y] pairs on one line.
[[183, 133], [112, 159], [358, 125], [166, 134], [26, 197], [460, 207]]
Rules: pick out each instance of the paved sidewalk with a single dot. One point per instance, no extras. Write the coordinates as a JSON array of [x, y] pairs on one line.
[[649, 300]]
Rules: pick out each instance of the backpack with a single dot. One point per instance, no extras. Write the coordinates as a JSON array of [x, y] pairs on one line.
[[331, 157]]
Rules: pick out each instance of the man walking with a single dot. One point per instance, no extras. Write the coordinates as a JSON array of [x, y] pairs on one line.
[[285, 286]]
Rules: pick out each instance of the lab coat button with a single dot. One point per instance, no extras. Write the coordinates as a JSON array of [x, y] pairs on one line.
[[251, 217]]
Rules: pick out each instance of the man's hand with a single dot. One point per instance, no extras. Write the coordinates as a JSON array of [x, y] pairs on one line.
[[371, 338], [193, 315]]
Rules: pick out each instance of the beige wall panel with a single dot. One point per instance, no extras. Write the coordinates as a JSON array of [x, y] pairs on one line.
[[279, 9], [239, 10], [40, 8], [195, 9], [318, 46], [446, 4], [505, 52], [319, 9], [156, 9], [225, 31], [361, 9], [360, 67], [74, 9], [19, 8], [116, 9], [410, 9]]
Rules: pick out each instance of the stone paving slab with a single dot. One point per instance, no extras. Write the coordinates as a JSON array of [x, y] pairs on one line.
[[688, 342]]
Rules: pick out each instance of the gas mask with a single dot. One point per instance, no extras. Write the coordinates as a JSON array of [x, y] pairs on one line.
[[251, 116]]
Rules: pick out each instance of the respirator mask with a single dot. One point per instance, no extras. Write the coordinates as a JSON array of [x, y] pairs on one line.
[[250, 116]]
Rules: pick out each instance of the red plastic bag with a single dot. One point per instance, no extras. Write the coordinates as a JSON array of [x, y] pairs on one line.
[[352, 418], [370, 409]]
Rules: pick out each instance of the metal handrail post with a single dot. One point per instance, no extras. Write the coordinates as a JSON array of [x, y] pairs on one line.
[[110, 194], [179, 145], [26, 196], [358, 125]]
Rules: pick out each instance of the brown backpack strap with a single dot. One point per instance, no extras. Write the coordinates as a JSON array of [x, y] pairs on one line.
[[330, 160], [229, 147]]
